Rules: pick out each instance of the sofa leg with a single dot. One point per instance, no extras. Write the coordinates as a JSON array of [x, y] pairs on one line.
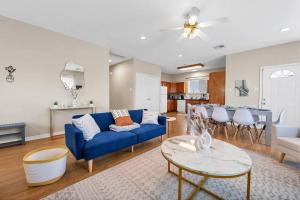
[[132, 148], [90, 165], [161, 138], [282, 157]]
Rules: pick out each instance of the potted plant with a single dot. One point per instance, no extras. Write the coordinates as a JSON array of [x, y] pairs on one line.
[[55, 104], [91, 103]]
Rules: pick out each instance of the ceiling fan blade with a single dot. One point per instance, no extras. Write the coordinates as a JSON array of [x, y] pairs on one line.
[[213, 22], [202, 35], [172, 29]]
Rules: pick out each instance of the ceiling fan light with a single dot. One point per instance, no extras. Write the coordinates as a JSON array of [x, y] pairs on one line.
[[192, 20]]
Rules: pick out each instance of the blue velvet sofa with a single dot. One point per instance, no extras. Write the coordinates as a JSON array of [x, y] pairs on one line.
[[109, 141]]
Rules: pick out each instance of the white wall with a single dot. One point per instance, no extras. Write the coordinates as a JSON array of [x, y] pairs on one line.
[[122, 81], [122, 78], [39, 56], [246, 66], [166, 77]]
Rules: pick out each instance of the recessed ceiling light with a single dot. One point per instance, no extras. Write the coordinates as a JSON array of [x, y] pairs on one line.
[[180, 56], [109, 60], [143, 37], [285, 29]]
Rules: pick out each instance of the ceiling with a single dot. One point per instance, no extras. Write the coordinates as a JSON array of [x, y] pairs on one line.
[[118, 24]]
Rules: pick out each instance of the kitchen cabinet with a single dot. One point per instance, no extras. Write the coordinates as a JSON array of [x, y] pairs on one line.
[[173, 88], [172, 105], [180, 87], [216, 87], [168, 85]]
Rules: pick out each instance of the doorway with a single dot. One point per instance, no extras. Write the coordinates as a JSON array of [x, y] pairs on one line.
[[280, 90]]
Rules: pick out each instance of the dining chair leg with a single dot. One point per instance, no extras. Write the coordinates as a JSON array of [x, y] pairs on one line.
[[236, 131], [225, 130], [261, 132], [250, 134], [213, 129], [256, 132], [233, 126]]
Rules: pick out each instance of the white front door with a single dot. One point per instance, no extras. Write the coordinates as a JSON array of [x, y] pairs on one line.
[[147, 92], [281, 91]]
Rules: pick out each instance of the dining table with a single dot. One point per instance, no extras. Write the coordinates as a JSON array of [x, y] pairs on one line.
[[262, 113]]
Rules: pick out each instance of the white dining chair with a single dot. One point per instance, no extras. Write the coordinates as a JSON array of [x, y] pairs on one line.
[[279, 121], [202, 110], [220, 118], [243, 117]]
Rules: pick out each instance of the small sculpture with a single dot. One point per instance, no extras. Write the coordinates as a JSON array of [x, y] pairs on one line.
[[200, 128], [10, 78]]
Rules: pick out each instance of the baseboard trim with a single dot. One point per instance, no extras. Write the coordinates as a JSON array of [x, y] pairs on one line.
[[42, 136]]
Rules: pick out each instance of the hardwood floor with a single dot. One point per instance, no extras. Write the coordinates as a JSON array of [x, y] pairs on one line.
[[12, 178]]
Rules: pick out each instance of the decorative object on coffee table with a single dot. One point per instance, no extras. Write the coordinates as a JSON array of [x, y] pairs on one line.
[[45, 165], [200, 128], [222, 161]]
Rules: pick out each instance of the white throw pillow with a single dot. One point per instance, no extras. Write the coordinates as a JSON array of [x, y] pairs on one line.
[[115, 128], [150, 117], [87, 125]]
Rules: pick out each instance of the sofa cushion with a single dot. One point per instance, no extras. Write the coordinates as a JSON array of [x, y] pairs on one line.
[[292, 143], [148, 131], [103, 120], [108, 141], [136, 115]]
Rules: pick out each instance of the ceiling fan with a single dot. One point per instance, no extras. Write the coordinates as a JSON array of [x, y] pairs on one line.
[[192, 27]]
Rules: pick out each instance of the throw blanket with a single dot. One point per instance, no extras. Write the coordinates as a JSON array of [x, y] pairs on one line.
[[116, 128]]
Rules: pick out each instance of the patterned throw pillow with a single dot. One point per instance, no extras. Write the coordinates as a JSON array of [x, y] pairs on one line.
[[87, 125], [122, 117]]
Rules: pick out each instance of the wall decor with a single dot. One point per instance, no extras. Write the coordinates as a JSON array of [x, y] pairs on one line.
[[241, 88], [10, 78], [72, 78]]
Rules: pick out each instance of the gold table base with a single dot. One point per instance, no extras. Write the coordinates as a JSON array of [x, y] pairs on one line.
[[199, 186]]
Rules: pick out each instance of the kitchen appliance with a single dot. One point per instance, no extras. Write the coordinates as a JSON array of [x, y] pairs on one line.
[[181, 106], [163, 99]]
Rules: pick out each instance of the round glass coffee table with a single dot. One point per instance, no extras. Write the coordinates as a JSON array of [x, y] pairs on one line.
[[222, 160]]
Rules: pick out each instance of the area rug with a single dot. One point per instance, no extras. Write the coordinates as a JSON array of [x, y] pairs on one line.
[[146, 177]]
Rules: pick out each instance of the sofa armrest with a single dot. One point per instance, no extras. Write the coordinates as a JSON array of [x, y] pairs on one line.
[[284, 131], [162, 120], [74, 140]]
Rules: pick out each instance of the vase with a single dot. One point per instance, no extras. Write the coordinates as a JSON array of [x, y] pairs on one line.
[[203, 141]]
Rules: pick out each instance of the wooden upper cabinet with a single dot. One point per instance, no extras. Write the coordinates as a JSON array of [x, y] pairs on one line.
[[172, 87], [180, 87], [216, 87]]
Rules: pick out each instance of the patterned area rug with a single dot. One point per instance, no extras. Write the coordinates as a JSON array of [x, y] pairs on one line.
[[146, 177]]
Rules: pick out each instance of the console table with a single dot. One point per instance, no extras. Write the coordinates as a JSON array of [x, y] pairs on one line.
[[56, 109]]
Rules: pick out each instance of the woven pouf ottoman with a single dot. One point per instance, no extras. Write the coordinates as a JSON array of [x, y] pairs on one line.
[[45, 165]]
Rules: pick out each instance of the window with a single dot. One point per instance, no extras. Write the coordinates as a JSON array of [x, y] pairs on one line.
[[282, 74], [197, 86]]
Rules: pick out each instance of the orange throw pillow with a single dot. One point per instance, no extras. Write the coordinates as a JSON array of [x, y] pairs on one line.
[[124, 121]]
